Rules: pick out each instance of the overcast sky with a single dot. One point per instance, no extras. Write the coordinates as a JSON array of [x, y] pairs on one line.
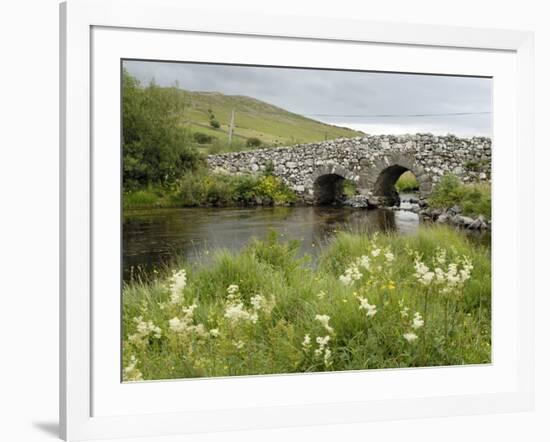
[[360, 100]]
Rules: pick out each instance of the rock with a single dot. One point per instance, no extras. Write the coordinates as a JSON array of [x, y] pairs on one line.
[[455, 210], [254, 167], [443, 219]]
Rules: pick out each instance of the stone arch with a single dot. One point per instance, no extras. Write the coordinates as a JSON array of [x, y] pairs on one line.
[[385, 172], [328, 183]]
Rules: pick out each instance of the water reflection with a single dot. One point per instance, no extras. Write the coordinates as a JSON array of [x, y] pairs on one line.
[[153, 238]]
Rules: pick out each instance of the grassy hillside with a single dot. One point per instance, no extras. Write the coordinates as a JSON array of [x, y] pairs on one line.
[[271, 125]]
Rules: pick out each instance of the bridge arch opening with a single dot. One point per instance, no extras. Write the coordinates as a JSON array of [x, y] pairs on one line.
[[385, 188], [329, 189]]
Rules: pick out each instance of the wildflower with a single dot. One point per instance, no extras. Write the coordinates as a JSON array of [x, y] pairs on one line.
[[417, 321], [351, 274], [322, 342], [370, 308], [238, 344], [236, 312], [410, 337], [404, 312], [258, 302], [389, 256], [327, 360], [144, 329], [321, 294], [178, 281], [214, 332], [232, 292], [427, 278], [364, 262], [375, 252], [323, 319], [306, 343], [131, 372]]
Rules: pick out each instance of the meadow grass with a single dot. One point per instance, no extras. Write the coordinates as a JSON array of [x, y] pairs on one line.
[[473, 199], [373, 301]]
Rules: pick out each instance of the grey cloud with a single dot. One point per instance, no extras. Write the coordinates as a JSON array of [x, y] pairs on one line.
[[334, 94]]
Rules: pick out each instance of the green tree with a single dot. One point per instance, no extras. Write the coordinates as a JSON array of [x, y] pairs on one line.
[[155, 143]]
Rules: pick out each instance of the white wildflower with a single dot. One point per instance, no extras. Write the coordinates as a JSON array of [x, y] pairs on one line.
[[178, 281], [364, 262], [258, 302], [410, 337], [327, 357], [232, 289], [322, 342], [375, 252], [131, 372], [417, 321], [427, 278], [306, 343], [323, 319], [236, 312], [351, 274], [370, 308], [389, 256], [144, 329], [214, 332], [238, 344]]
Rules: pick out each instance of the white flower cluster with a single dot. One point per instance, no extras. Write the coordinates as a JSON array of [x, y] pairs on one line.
[[178, 281], [353, 272], [410, 337], [131, 372], [323, 350], [144, 329], [235, 310], [306, 343], [184, 325], [323, 319], [364, 305], [417, 321], [451, 279]]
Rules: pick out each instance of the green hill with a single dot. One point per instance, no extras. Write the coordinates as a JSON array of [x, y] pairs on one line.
[[270, 124]]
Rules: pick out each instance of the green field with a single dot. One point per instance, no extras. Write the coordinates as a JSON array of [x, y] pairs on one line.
[[270, 124]]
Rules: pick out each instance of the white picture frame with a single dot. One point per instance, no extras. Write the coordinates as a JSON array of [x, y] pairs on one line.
[[91, 407]]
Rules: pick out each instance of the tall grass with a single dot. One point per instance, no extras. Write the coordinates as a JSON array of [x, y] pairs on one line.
[[262, 311], [473, 199]]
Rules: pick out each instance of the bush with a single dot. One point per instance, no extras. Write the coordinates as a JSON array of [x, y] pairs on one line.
[[215, 124], [473, 199], [253, 142], [202, 138], [156, 148], [201, 189]]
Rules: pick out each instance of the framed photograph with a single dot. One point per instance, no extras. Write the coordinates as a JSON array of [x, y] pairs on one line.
[[286, 221]]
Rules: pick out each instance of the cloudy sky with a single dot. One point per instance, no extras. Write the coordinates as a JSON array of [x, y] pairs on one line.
[[376, 103]]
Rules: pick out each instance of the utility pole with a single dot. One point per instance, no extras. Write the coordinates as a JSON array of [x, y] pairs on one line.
[[231, 125]]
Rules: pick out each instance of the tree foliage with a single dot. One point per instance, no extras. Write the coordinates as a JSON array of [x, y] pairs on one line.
[[156, 145]]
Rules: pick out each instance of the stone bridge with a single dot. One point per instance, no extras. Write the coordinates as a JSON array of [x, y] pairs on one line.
[[317, 171]]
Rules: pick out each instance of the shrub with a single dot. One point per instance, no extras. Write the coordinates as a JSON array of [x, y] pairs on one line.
[[253, 142], [215, 123], [473, 199], [202, 138], [156, 148]]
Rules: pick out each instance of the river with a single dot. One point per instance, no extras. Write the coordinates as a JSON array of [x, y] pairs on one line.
[[153, 238]]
